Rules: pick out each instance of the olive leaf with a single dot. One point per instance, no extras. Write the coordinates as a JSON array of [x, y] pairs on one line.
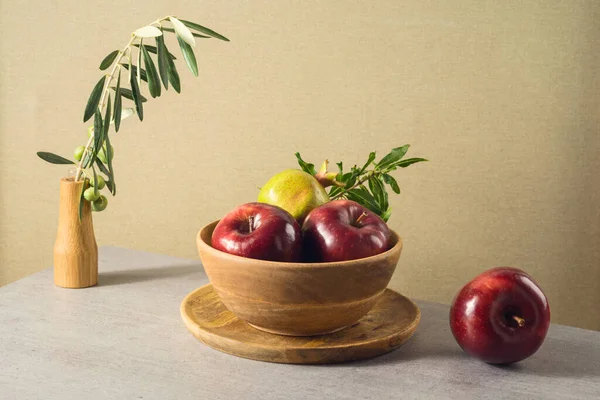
[[94, 99], [53, 158], [163, 66], [194, 34], [173, 75], [153, 49], [106, 125], [135, 91], [147, 32], [135, 69], [183, 32], [108, 60], [139, 63], [102, 167], [111, 173], [188, 55], [118, 105], [204, 29], [128, 94], [153, 79]]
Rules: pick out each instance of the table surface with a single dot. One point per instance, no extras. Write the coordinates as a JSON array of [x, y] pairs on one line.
[[125, 339]]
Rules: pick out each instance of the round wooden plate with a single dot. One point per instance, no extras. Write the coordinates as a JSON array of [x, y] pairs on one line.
[[386, 327]]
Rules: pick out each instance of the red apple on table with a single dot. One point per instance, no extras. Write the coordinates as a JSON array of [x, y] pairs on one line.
[[501, 316], [261, 231], [343, 230]]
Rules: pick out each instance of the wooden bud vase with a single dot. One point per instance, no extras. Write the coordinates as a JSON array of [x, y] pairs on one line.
[[75, 249]]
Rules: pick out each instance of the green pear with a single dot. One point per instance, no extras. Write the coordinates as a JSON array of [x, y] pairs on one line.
[[295, 191]]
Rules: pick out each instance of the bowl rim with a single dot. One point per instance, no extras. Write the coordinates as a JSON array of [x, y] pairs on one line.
[[377, 257]]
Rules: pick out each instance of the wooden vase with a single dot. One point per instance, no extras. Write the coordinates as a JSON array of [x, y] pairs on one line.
[[75, 249]]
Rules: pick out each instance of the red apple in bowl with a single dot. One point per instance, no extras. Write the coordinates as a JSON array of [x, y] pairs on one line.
[[501, 317], [343, 230], [260, 231]]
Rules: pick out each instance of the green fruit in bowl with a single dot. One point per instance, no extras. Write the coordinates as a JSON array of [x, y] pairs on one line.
[[295, 191]]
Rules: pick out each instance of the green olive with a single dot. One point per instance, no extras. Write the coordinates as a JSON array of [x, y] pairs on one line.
[[101, 182], [99, 204], [90, 130], [102, 154], [78, 153], [89, 194]]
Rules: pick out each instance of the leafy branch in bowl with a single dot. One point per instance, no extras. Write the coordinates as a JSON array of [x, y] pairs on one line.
[[361, 184], [98, 151]]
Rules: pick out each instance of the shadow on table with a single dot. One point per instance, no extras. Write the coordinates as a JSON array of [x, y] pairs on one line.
[[147, 274]]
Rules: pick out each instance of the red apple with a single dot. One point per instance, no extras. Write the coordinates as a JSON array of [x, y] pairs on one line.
[[261, 231], [501, 316], [343, 230]]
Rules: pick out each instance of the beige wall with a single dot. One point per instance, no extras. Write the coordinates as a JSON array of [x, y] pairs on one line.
[[503, 97]]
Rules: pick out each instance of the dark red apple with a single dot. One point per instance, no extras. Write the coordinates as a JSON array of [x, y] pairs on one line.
[[343, 230], [502, 316], [261, 231]]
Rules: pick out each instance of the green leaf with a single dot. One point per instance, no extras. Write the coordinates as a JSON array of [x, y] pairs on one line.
[[102, 167], [134, 69], [182, 31], [408, 161], [98, 139], [118, 104], [139, 63], [111, 187], [204, 30], [81, 202], [135, 90], [108, 60], [111, 172], [386, 215], [193, 33], [95, 182], [379, 192], [107, 118], [188, 56], [153, 49], [306, 167], [163, 65], [369, 161], [153, 79], [94, 99], [173, 75], [393, 156], [392, 182], [53, 158], [362, 196], [129, 95]]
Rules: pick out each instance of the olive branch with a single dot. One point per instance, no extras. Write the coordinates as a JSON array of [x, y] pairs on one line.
[[98, 151]]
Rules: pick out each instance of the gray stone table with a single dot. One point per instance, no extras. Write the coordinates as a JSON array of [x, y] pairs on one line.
[[124, 339]]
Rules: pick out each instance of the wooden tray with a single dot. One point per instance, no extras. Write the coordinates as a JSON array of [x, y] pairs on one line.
[[386, 327]]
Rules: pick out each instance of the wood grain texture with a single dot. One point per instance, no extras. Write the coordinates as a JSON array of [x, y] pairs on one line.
[[386, 327], [75, 248], [299, 299]]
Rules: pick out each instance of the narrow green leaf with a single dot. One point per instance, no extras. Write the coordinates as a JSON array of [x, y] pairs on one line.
[[306, 167], [106, 125], [362, 196], [378, 191], [108, 60], [204, 29], [163, 65], [111, 187], [81, 202], [188, 56], [139, 63], [102, 168], [182, 31], [111, 172], [95, 181], [135, 91], [153, 79], [369, 161], [392, 182], [98, 139], [134, 69], [393, 156], [193, 33], [128, 94], [408, 161], [94, 99], [173, 75], [53, 158], [118, 103], [153, 49]]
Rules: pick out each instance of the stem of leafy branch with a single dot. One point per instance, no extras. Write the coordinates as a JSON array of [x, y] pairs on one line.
[[105, 90]]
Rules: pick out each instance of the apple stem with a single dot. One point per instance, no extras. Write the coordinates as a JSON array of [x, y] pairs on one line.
[[520, 321], [361, 216], [250, 223]]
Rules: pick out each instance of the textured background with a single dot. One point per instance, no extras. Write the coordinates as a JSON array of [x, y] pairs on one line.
[[503, 97]]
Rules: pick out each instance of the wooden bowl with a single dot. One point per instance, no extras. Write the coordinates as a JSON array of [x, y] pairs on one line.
[[297, 299]]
